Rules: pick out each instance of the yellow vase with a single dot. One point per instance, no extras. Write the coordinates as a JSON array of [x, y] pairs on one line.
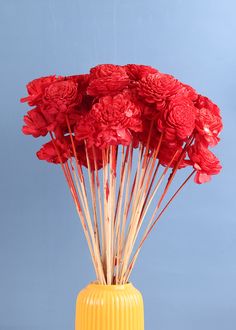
[[109, 307]]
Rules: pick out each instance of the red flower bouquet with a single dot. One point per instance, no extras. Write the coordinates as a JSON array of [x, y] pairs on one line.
[[120, 134]]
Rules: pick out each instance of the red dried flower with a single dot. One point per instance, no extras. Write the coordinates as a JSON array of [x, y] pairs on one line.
[[61, 96], [56, 151], [82, 81], [170, 153], [107, 79], [159, 88], [189, 92], [208, 121], [178, 120], [116, 117], [204, 161], [85, 129], [137, 72], [37, 87], [115, 105], [35, 123]]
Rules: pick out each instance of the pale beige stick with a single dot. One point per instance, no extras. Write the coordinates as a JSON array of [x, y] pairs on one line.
[[135, 225], [127, 191], [79, 169], [112, 204], [152, 176], [123, 173], [74, 195], [91, 230], [137, 179], [120, 181], [110, 208], [142, 216], [138, 193], [84, 226], [147, 232], [96, 249], [93, 195], [99, 203], [181, 157], [83, 196], [142, 197], [127, 202], [128, 165], [130, 193], [76, 200], [141, 169], [145, 158], [88, 237], [106, 213]]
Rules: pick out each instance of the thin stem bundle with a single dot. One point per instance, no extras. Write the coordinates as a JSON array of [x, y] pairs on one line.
[[114, 209]]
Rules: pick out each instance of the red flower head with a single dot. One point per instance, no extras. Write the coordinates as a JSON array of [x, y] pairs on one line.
[[159, 89], [189, 92], [85, 129], [116, 104], [204, 161], [61, 96], [35, 123], [37, 87], [178, 120], [208, 122], [56, 151], [172, 153], [116, 117], [137, 72], [82, 81], [107, 79]]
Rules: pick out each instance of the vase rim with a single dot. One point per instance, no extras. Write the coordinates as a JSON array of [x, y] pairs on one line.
[[97, 285]]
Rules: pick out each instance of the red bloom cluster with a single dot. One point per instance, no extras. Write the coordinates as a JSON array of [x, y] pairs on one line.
[[130, 104]]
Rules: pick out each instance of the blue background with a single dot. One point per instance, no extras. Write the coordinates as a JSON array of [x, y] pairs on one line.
[[187, 268]]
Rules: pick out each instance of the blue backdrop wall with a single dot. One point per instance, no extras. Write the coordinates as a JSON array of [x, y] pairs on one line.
[[187, 269]]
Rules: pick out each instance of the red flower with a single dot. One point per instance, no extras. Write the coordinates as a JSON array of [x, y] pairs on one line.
[[208, 122], [137, 72], [85, 129], [178, 120], [170, 153], [159, 88], [61, 96], [56, 151], [37, 87], [107, 79], [126, 104], [189, 92], [116, 117], [35, 123], [204, 161]]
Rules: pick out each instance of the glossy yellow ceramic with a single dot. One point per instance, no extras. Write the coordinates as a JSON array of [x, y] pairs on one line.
[[109, 307]]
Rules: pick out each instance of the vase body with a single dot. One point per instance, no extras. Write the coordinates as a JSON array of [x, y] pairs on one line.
[[109, 307]]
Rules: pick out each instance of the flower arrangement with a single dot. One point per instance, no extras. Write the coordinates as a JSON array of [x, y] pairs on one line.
[[120, 135]]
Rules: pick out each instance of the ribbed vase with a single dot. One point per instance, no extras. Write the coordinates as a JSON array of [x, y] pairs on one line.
[[109, 307]]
